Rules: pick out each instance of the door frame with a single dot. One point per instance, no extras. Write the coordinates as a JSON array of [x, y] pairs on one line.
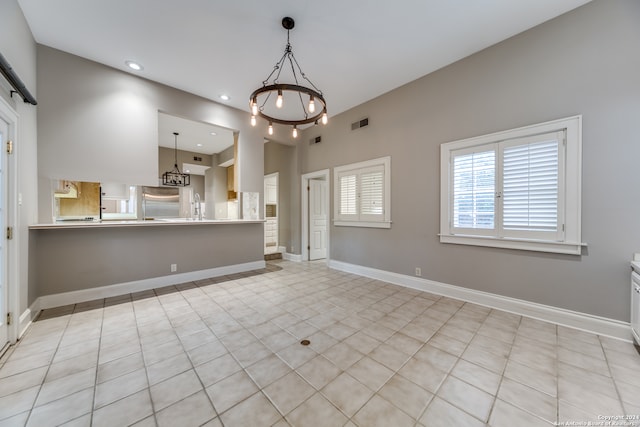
[[9, 114], [275, 175], [304, 218]]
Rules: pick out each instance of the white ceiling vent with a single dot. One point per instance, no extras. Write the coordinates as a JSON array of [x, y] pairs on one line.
[[360, 124]]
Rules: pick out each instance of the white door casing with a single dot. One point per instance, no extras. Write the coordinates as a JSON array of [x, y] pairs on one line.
[[4, 285], [317, 219], [305, 179], [8, 217]]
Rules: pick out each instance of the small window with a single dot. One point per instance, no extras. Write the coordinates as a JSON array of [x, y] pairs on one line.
[[362, 194], [515, 189]]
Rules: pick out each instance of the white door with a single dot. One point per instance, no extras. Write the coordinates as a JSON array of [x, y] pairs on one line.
[[4, 329], [317, 219]]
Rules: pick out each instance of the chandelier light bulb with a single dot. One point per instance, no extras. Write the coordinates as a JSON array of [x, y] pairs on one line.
[[254, 107], [279, 100], [253, 120], [325, 119], [312, 105], [270, 128], [295, 131]]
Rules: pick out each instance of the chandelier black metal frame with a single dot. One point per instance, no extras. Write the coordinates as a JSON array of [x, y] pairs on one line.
[[316, 109], [174, 177]]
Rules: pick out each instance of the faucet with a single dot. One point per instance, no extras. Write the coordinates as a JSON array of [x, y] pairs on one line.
[[198, 208]]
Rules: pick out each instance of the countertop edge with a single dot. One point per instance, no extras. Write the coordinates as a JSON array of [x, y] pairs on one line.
[[154, 223]]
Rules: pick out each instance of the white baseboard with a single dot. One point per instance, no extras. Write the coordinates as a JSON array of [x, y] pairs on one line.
[[74, 297], [27, 317], [573, 319], [292, 257]]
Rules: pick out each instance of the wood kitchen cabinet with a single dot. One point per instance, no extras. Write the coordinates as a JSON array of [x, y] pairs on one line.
[[231, 183]]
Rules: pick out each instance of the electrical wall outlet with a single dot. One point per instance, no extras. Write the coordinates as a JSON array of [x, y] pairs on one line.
[[418, 271], [174, 268]]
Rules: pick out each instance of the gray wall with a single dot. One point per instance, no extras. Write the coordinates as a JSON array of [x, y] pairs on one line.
[[19, 48], [101, 124], [282, 159], [584, 62], [75, 259]]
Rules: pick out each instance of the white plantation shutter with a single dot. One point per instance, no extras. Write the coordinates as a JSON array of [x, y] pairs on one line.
[[530, 184], [372, 192], [361, 194], [473, 176], [348, 195], [516, 189]]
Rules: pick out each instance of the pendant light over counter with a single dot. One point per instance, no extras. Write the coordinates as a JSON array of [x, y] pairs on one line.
[[174, 177]]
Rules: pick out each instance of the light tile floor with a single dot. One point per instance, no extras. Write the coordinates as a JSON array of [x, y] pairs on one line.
[[226, 351]]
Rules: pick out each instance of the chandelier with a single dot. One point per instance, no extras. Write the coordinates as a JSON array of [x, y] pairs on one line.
[[291, 103], [174, 177]]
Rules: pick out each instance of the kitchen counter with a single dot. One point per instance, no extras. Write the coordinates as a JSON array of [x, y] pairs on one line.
[[135, 223], [87, 260]]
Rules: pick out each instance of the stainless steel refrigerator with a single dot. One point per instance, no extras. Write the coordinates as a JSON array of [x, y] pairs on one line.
[[160, 202]]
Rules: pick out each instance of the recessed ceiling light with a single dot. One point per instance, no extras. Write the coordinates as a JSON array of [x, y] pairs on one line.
[[187, 171], [199, 145], [134, 65], [225, 97], [213, 133]]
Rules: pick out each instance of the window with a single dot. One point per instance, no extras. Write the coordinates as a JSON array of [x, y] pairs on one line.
[[515, 189], [362, 194]]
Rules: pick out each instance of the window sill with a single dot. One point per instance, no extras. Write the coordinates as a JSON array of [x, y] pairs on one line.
[[520, 244], [368, 224]]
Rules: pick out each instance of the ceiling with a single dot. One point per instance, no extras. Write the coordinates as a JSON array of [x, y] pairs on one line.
[[352, 50], [197, 137]]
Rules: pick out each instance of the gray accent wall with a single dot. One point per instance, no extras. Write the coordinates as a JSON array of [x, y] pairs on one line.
[[584, 62], [19, 48]]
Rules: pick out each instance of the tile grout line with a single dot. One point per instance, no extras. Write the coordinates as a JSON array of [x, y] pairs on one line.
[[26, 422], [557, 369], [448, 374], [146, 371], [615, 383], [243, 369], [396, 372], [495, 398], [95, 377]]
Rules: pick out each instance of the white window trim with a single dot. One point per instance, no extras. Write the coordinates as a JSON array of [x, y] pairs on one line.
[[385, 221], [571, 209]]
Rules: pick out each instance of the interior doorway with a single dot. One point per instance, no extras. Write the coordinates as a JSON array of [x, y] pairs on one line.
[[315, 215], [271, 209]]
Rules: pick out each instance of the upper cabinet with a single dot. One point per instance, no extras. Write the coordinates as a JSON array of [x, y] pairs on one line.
[[114, 191], [231, 187]]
